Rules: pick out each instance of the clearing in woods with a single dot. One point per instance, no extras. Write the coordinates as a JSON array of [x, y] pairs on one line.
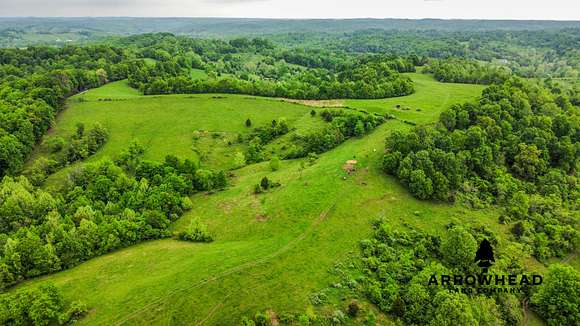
[[271, 250]]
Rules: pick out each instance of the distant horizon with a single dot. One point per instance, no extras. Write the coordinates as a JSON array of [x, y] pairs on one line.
[[297, 18]]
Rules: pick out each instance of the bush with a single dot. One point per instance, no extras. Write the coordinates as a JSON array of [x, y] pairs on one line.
[[247, 322], [39, 306], [55, 144], [312, 158], [261, 319], [239, 160], [196, 232], [74, 313], [353, 308], [275, 163], [265, 183]]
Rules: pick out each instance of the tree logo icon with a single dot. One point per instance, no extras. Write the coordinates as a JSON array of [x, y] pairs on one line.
[[484, 255]]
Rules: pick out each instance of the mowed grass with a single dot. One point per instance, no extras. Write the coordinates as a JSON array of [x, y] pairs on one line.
[[271, 250]]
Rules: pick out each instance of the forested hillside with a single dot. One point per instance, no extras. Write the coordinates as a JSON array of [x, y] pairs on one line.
[[517, 147], [35, 81], [156, 178], [22, 31]]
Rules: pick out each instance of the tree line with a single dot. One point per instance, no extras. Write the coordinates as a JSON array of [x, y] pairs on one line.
[[342, 125], [34, 82], [455, 70], [517, 147], [102, 207]]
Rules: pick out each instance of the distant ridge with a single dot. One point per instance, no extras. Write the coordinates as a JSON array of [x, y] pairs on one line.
[[249, 26]]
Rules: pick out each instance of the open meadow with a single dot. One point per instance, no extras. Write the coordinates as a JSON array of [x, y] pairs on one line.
[[271, 251]]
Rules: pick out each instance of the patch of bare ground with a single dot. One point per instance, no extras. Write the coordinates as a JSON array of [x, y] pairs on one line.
[[384, 198], [273, 318], [226, 206], [317, 103], [350, 166]]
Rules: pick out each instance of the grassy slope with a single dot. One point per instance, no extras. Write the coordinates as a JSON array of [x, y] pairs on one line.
[[198, 74], [430, 98], [271, 250], [165, 124]]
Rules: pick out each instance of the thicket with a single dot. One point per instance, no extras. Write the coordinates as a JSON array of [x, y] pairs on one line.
[[455, 70], [103, 207], [34, 82], [397, 266], [342, 125], [517, 147], [63, 152], [39, 306], [196, 232]]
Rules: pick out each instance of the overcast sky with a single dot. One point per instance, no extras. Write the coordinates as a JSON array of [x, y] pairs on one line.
[[489, 9]]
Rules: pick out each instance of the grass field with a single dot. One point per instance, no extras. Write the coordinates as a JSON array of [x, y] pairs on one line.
[[166, 124], [198, 74], [271, 250]]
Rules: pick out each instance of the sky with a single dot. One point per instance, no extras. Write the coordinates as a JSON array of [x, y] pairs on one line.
[[464, 9]]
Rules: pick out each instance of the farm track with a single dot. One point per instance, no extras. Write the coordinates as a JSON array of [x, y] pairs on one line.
[[230, 271], [570, 256]]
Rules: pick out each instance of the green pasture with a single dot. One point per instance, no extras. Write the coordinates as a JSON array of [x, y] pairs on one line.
[[271, 250]]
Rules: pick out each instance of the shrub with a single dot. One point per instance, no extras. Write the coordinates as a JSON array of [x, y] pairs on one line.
[[275, 163], [55, 144], [265, 183], [239, 160], [74, 313], [39, 306], [312, 157], [353, 308], [247, 322], [196, 232], [261, 319]]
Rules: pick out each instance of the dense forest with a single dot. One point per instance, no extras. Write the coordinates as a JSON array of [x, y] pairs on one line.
[[517, 147], [271, 73], [36, 80], [23, 31], [528, 53], [399, 264], [34, 84]]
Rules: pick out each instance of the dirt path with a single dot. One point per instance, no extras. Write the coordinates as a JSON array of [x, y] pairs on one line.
[[525, 309], [213, 310], [230, 271], [570, 256]]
